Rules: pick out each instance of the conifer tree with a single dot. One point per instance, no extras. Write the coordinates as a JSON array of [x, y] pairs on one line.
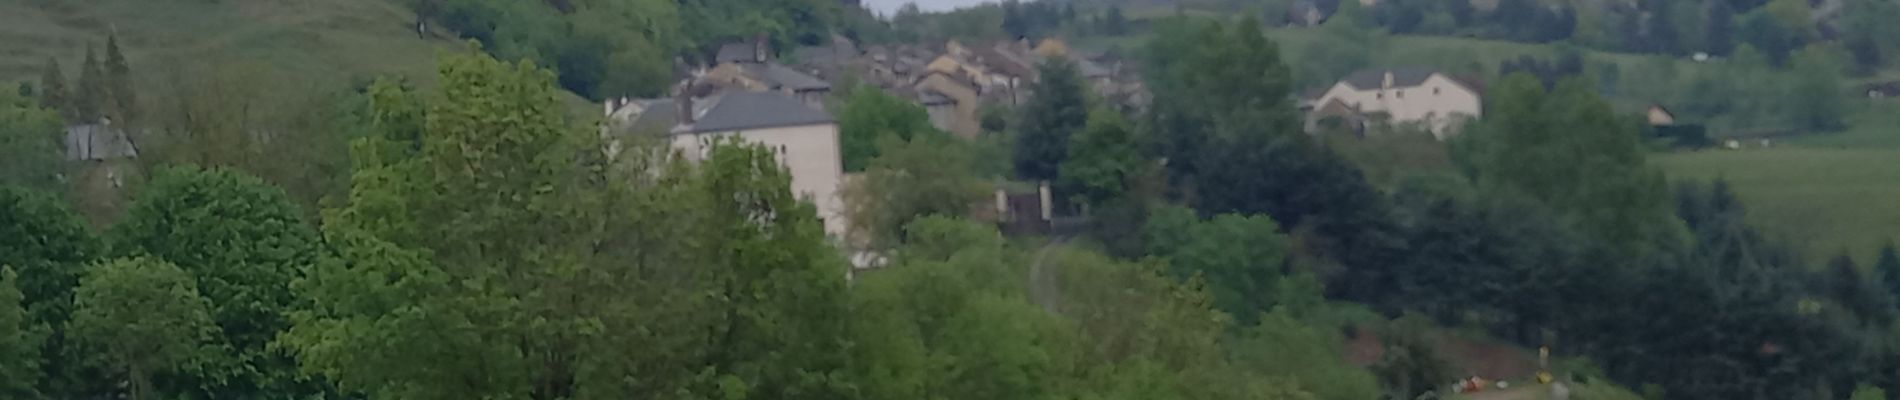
[[90, 100], [123, 101], [53, 93]]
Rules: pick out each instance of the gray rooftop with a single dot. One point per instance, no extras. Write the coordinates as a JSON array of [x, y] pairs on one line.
[[755, 110], [736, 52], [1090, 69], [1401, 77], [778, 75], [94, 142], [657, 116]]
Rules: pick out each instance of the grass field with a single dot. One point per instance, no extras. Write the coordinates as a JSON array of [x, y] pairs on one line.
[[1825, 200], [308, 39], [1827, 192]]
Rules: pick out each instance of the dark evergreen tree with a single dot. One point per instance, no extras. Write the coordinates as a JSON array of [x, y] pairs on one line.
[[1720, 38], [1887, 266], [122, 99], [53, 92], [1057, 109], [90, 102]]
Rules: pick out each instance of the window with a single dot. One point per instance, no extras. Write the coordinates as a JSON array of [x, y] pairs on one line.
[[1434, 91], [1399, 94], [1380, 95]]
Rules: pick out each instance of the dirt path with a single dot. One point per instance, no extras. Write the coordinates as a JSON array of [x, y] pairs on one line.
[[1042, 287]]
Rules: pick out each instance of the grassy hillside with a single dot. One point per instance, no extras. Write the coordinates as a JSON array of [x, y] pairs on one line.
[[306, 39]]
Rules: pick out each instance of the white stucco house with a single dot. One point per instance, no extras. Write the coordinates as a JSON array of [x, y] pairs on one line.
[[804, 139], [1413, 95]]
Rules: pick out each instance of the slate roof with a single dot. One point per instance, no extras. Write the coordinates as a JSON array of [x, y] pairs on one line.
[[778, 75], [1090, 69], [658, 115], [755, 110], [736, 52], [93, 142], [1401, 77]]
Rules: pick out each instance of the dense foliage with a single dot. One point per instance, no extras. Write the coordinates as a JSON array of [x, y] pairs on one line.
[[470, 241]]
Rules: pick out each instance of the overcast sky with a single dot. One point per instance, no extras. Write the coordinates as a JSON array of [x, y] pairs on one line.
[[888, 7]]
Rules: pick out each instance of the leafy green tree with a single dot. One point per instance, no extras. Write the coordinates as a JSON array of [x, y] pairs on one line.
[[1768, 34], [1814, 98], [868, 116], [244, 241], [31, 150], [785, 303], [20, 339], [123, 97], [48, 245], [949, 319], [1867, 392], [1281, 346], [1410, 366], [91, 101], [1242, 258], [246, 117], [1057, 110], [1866, 34], [53, 92], [1215, 84], [911, 179], [560, 282], [142, 317], [1103, 160], [1568, 150]]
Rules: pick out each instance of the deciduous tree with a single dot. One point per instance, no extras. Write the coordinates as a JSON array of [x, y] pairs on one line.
[[142, 317], [31, 150], [47, 245], [20, 339], [868, 116], [244, 241], [1103, 161]]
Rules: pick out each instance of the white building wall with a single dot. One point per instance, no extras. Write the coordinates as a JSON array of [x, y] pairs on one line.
[[809, 152], [1438, 102]]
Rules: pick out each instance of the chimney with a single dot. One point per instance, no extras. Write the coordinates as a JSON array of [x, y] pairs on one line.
[[759, 47], [1388, 80], [683, 101]]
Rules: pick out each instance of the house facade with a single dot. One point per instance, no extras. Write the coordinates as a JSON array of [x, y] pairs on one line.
[[804, 139], [1421, 96]]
